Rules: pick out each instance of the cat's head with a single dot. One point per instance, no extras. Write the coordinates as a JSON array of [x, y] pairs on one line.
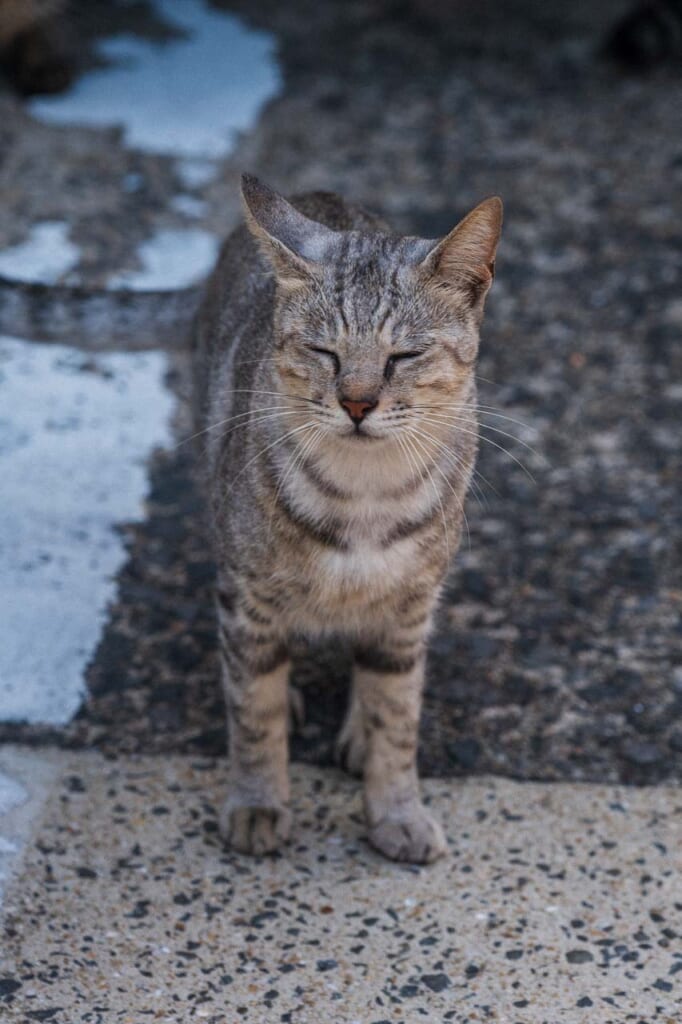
[[372, 330]]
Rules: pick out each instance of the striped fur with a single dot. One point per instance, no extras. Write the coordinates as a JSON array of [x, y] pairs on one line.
[[324, 524]]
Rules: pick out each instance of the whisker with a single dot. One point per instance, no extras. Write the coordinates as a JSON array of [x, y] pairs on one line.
[[496, 430], [294, 461], [487, 410], [273, 444], [254, 422], [459, 463], [277, 394], [240, 415], [404, 441], [488, 440], [448, 484]]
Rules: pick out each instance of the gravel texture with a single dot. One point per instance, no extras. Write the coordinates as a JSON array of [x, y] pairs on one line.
[[552, 904], [560, 649]]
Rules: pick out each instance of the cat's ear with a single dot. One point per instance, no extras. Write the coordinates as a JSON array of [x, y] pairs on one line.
[[295, 245], [463, 263]]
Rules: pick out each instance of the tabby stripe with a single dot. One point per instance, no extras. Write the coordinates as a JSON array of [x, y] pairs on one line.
[[326, 535], [413, 598], [270, 600], [383, 661], [254, 615], [245, 638], [413, 623], [412, 485], [408, 527], [323, 534], [323, 485], [255, 664]]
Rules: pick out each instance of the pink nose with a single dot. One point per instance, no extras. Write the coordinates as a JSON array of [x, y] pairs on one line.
[[357, 410]]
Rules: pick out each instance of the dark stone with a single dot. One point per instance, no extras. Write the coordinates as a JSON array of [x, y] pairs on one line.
[[579, 956], [326, 965], [435, 982], [407, 991], [584, 1001], [8, 986]]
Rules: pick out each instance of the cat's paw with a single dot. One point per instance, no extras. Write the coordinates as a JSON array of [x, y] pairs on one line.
[[409, 835], [255, 830]]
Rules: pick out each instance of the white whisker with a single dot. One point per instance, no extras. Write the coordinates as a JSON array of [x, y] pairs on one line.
[[408, 444], [280, 440], [240, 415], [294, 461], [451, 454], [481, 437], [415, 440]]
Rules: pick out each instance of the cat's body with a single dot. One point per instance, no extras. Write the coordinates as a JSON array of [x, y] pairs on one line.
[[336, 498]]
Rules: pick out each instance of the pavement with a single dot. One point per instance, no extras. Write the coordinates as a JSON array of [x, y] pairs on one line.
[[552, 729], [554, 903]]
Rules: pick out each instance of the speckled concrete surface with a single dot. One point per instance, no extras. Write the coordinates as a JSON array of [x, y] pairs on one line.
[[554, 903]]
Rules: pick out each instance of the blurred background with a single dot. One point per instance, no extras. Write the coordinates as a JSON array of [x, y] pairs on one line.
[[124, 127]]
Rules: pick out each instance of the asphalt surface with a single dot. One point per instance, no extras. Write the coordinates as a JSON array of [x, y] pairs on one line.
[[559, 655]]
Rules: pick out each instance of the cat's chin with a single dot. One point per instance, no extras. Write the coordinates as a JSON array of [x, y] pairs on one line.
[[362, 435]]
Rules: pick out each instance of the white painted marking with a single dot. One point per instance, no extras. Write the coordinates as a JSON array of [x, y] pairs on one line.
[[46, 255], [189, 95], [171, 258], [12, 795], [75, 433], [195, 172], [27, 779], [189, 206]]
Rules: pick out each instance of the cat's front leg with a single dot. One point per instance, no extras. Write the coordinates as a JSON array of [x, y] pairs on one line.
[[389, 683], [255, 670]]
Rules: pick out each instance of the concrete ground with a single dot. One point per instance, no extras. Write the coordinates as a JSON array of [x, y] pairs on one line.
[[554, 903], [559, 656]]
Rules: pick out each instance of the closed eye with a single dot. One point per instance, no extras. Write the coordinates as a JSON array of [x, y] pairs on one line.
[[397, 357], [331, 355]]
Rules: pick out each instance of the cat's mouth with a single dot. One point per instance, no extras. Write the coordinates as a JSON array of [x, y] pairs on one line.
[[360, 433]]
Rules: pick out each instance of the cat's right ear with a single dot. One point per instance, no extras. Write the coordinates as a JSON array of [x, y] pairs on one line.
[[295, 245]]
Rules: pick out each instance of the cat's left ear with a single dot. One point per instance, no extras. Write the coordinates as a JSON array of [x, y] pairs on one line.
[[463, 263], [295, 245]]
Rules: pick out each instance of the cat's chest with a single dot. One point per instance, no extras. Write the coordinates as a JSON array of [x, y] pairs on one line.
[[370, 549]]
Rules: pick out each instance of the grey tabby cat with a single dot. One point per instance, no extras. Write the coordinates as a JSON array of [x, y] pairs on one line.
[[336, 394]]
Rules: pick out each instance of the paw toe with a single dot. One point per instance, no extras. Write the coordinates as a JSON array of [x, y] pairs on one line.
[[256, 830], [415, 838]]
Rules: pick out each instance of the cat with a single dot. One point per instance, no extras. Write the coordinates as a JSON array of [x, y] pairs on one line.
[[33, 50], [336, 398]]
